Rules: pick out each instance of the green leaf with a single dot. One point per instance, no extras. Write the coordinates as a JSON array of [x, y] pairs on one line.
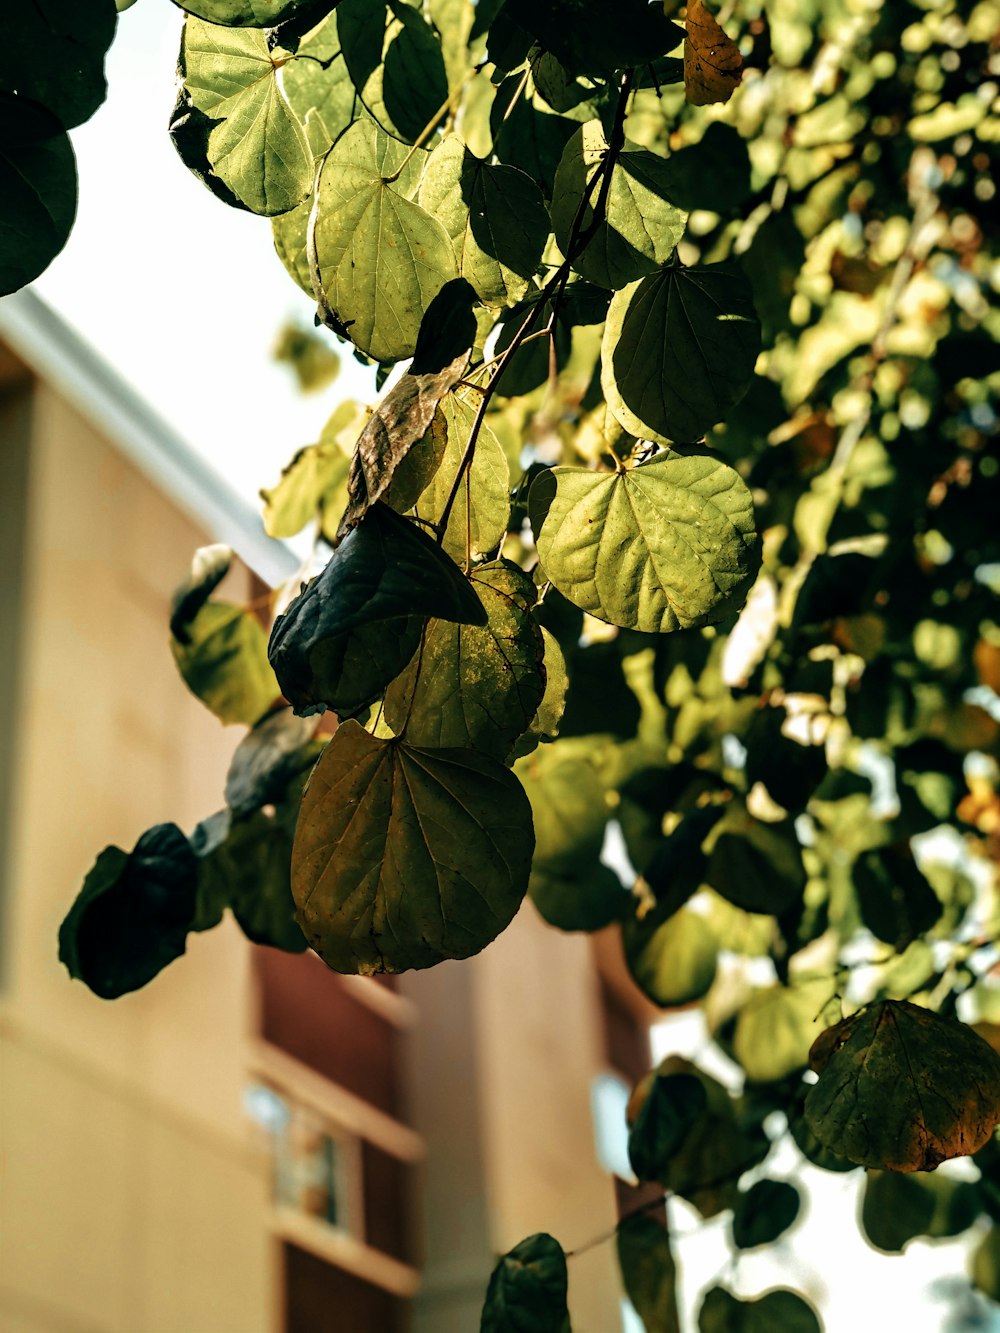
[[570, 810], [480, 514], [220, 649], [527, 1290], [545, 724], [589, 37], [902, 1088], [714, 173], [809, 1145], [266, 760], [895, 900], [318, 86], [641, 226], [397, 434], [664, 546], [359, 622], [472, 686], [54, 55], [244, 13], [395, 61], [649, 1273], [667, 1115], [380, 258], [986, 1264], [679, 351], [289, 232], [672, 960], [406, 856], [776, 1027], [133, 914], [38, 188], [530, 138], [258, 149], [589, 899], [495, 216], [778, 1311], [754, 865], [315, 473], [453, 324], [763, 1212], [896, 1209]]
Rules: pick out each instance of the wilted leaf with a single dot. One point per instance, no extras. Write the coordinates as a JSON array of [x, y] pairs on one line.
[[406, 856], [713, 66], [527, 1290], [649, 1273], [663, 546], [667, 1115], [476, 686], [133, 914], [398, 425], [763, 1212], [776, 1311], [902, 1088], [359, 622], [679, 351]]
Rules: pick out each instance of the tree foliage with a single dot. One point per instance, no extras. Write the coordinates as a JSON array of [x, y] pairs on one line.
[[683, 513]]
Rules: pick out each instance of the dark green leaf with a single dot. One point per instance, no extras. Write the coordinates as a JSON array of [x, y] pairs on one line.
[[896, 1208], [895, 900], [589, 899], [527, 1290], [359, 622], [591, 37], [713, 173], [668, 1114], [266, 760], [406, 856], [448, 329], [763, 1212], [54, 55], [663, 546], [245, 13], [249, 871], [38, 188], [679, 351], [473, 686], [530, 139], [776, 1311], [754, 865], [133, 914], [395, 62], [649, 1273], [902, 1088]]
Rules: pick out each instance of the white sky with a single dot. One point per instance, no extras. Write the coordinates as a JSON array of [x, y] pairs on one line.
[[184, 297], [180, 293]]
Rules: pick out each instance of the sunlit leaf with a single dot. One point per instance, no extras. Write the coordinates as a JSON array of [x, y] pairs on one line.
[[318, 86], [903, 1089], [671, 960], [406, 856], [679, 351], [395, 62], [568, 801], [359, 622], [380, 257], [243, 13], [471, 685], [527, 1290], [663, 546], [777, 1026], [640, 227], [315, 473]]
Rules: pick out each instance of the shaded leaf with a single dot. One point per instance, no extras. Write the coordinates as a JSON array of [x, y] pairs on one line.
[[266, 760], [679, 351], [713, 66], [318, 87], [896, 1209], [663, 546], [394, 58], [133, 914], [902, 1088], [666, 1117], [448, 329], [527, 1290], [714, 173], [778, 1311], [38, 187], [895, 900], [588, 899], [248, 870], [406, 856], [754, 865], [495, 216], [589, 37], [54, 56], [355, 627], [763, 1212], [398, 424], [545, 725], [649, 1273], [475, 686], [640, 227], [380, 258]]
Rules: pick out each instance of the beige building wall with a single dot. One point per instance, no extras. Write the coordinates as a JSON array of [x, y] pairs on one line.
[[132, 1196]]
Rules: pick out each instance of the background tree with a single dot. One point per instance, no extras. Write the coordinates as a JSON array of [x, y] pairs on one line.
[[682, 515]]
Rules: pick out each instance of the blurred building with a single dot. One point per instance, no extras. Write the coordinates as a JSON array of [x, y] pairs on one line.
[[251, 1144]]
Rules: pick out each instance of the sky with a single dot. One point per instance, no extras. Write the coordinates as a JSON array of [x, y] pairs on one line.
[[183, 295]]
